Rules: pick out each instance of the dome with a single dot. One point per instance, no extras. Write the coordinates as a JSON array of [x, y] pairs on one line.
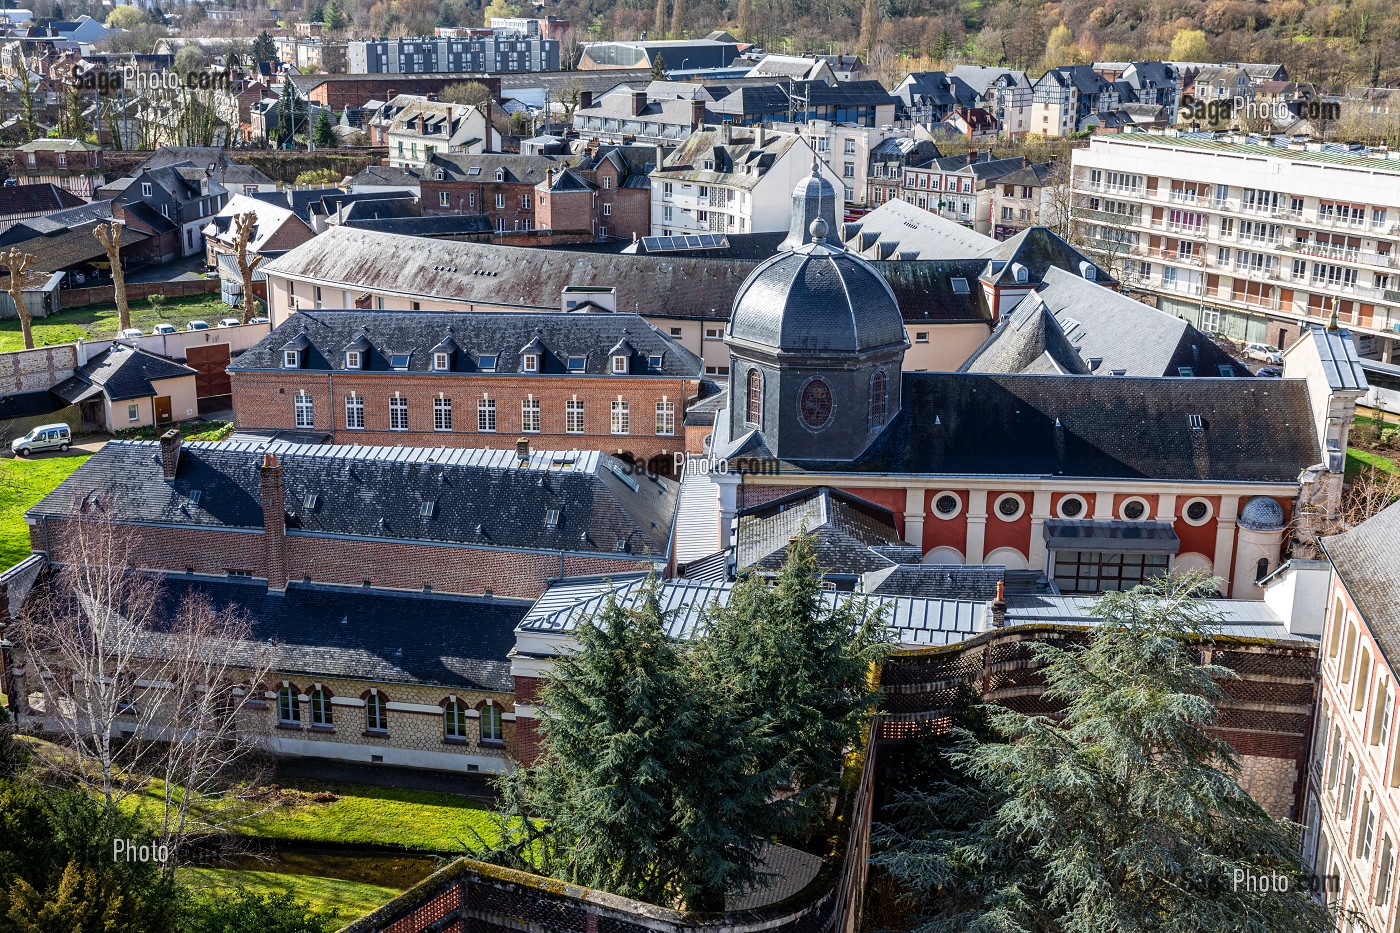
[[817, 299], [1262, 514], [813, 198]]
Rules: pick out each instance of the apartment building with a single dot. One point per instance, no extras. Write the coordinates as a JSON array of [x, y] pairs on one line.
[[497, 52], [965, 189], [731, 180], [846, 148], [1352, 801], [1248, 237]]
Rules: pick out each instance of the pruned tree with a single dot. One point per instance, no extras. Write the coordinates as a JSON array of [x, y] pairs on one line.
[[132, 690], [243, 226], [110, 236], [1123, 815], [17, 263], [870, 17], [677, 19]]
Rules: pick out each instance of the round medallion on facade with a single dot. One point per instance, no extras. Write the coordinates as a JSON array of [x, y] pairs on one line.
[[815, 403]]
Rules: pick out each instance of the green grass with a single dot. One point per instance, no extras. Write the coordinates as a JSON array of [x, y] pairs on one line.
[[23, 483], [1357, 459], [420, 820], [349, 899], [100, 321], [189, 430]]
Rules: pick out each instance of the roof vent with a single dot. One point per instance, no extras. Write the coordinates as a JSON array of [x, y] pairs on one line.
[[480, 529], [1196, 423]]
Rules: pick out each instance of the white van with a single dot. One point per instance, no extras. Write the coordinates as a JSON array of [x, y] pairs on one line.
[[44, 437]]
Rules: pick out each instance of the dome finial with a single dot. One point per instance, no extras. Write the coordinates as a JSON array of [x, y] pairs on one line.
[[818, 230]]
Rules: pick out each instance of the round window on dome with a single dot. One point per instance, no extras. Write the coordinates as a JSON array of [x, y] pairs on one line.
[[1073, 507], [1009, 507], [947, 504], [1135, 510], [816, 403], [1197, 512]]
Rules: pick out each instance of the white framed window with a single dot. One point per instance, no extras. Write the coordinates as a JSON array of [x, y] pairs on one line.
[[145, 187], [524, 202], [376, 717], [442, 413], [1197, 511], [491, 729], [573, 417], [947, 504], [530, 363], [398, 413], [444, 199], [353, 359], [486, 415], [621, 417], [304, 409], [619, 363], [288, 709], [133, 412], [454, 720], [1366, 840], [607, 210], [500, 202], [321, 714], [355, 413], [665, 417], [1072, 507], [440, 361], [1009, 507], [530, 416], [290, 358]]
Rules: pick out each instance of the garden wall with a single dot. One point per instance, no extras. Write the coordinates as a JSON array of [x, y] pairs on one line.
[[139, 291]]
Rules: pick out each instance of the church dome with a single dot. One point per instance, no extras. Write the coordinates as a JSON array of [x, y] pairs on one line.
[[813, 198], [1262, 514], [816, 299]]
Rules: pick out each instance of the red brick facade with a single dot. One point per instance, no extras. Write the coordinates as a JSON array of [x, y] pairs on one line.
[[510, 205], [266, 401], [611, 210]]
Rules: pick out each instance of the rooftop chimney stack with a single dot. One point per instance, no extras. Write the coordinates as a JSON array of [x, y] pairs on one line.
[[522, 451], [274, 506], [170, 454], [996, 609]]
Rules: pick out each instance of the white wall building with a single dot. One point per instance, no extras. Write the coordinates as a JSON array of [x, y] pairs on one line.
[[1251, 239]]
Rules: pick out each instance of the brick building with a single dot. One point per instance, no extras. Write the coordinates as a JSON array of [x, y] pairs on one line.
[[606, 381], [605, 193], [73, 165], [502, 186]]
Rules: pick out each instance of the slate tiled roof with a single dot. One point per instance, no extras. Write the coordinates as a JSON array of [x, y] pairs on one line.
[[967, 583], [502, 334], [1029, 340], [517, 169], [961, 424], [446, 225], [899, 230], [32, 199], [479, 498], [122, 372], [1368, 561], [1039, 249], [330, 631], [844, 529], [738, 163], [70, 246]]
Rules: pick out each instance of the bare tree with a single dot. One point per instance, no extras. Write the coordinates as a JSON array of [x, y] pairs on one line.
[[131, 692], [243, 226], [1368, 494], [17, 263], [110, 236]]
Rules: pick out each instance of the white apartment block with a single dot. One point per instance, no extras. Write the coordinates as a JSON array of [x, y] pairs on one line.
[[1249, 239], [845, 149], [731, 180]]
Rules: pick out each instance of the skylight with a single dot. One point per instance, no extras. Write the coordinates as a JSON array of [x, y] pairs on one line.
[[551, 519], [399, 360], [308, 502], [426, 509], [577, 363], [960, 286], [195, 495]]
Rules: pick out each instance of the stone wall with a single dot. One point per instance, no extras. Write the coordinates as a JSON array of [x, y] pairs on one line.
[[1271, 782], [37, 370]]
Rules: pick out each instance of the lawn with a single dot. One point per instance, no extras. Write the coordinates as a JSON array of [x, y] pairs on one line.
[[23, 483], [349, 899], [1365, 433], [420, 820], [100, 321]]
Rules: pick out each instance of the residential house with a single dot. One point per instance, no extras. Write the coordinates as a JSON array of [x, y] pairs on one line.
[[598, 381], [961, 188], [126, 387], [845, 148], [499, 185], [21, 202], [183, 193], [1063, 97], [276, 229], [887, 163], [71, 164], [624, 116], [974, 124], [1006, 94], [423, 127], [1027, 197], [605, 193]]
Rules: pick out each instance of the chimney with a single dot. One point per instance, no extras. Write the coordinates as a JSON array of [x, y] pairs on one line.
[[660, 156], [639, 102], [169, 454], [585, 99], [996, 609], [697, 113], [1025, 161], [760, 136], [274, 505], [522, 451], [972, 157]]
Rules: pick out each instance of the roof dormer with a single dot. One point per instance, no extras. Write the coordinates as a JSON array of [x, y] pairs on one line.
[[294, 351], [357, 353], [620, 357], [443, 353], [532, 356]]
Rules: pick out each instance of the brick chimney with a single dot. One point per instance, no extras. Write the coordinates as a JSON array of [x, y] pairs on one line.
[[169, 454], [697, 113], [996, 609], [639, 102], [522, 450], [972, 157], [274, 505], [585, 100]]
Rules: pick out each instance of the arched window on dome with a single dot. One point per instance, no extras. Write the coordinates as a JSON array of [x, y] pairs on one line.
[[878, 401], [754, 414]]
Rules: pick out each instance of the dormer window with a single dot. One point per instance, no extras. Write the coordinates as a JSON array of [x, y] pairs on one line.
[[399, 361], [441, 361], [354, 359], [291, 359], [577, 363], [654, 362], [619, 363], [530, 363], [500, 174], [145, 189]]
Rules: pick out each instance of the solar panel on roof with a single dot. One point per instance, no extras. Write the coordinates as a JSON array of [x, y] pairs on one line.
[[663, 244]]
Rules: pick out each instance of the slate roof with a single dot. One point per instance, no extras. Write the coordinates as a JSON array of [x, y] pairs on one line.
[[963, 424], [503, 334], [1039, 249], [518, 169], [446, 225], [121, 372], [69, 246], [59, 222], [381, 176], [845, 529], [58, 145], [1072, 325], [1368, 563], [899, 230], [380, 208], [332, 631], [970, 582], [480, 498], [739, 163], [35, 199], [924, 288]]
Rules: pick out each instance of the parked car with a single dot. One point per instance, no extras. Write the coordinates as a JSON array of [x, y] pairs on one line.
[[197, 325], [1270, 372], [164, 329], [132, 332], [1264, 353], [259, 320], [230, 322], [44, 437]]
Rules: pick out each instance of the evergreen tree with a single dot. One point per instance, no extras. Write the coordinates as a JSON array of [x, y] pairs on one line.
[[291, 114], [264, 49], [658, 67], [324, 134], [334, 16], [798, 662], [1125, 816]]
